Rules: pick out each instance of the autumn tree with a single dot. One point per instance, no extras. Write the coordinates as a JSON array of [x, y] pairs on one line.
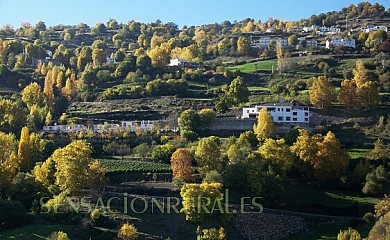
[[326, 158], [360, 73], [159, 55], [348, 94], [201, 200], [238, 91], [181, 164], [9, 162], [48, 89], [265, 127], [368, 95], [208, 155], [322, 92], [76, 169], [24, 150], [84, 57], [98, 57], [32, 94], [243, 45], [281, 57], [277, 154]]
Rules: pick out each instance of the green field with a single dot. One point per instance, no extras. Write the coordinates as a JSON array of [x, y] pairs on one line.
[[134, 166], [36, 231], [267, 65]]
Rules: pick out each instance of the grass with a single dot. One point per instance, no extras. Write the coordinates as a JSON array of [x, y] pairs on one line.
[[266, 65], [356, 153], [326, 232], [36, 231]]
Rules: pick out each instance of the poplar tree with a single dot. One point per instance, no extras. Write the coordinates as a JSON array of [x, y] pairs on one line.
[[265, 127], [322, 92]]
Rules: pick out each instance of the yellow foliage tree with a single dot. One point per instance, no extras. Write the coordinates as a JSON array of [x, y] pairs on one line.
[[128, 232], [208, 155], [24, 150], [200, 200], [32, 94], [322, 92], [76, 169], [360, 73], [348, 94], [159, 55], [277, 153], [9, 162], [181, 164], [265, 127]]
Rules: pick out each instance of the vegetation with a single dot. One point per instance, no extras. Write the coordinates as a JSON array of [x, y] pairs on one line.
[[60, 77]]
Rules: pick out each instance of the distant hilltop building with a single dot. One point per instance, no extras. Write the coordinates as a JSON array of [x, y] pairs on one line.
[[281, 112], [328, 30], [371, 28], [340, 42], [103, 128], [177, 62]]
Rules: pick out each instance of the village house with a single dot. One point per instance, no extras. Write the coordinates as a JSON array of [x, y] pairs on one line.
[[340, 42], [281, 112]]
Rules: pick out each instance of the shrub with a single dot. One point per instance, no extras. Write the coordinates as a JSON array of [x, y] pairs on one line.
[[128, 232], [350, 234]]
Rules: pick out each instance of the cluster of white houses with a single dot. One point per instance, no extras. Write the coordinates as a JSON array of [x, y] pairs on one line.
[[264, 41], [281, 112], [106, 127], [346, 42]]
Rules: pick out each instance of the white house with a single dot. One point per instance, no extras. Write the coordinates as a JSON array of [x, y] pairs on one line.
[[309, 42], [340, 42], [328, 30], [143, 125], [309, 29], [280, 112], [371, 28], [263, 42], [110, 60], [63, 128], [177, 62]]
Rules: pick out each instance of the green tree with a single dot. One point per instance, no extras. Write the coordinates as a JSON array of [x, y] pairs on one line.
[[207, 116], [208, 155], [98, 57], [292, 40], [238, 90], [84, 57], [377, 181], [265, 127], [189, 121]]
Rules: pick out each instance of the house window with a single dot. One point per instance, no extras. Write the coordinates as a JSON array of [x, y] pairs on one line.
[[306, 114], [247, 111], [280, 118], [295, 113], [288, 118], [306, 119], [288, 109], [295, 119]]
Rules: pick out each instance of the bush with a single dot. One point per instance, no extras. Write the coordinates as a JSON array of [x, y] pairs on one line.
[[213, 177], [376, 181], [59, 236], [128, 232], [13, 214], [350, 234]]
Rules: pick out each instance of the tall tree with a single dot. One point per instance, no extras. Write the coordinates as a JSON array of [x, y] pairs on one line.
[[360, 73], [277, 154], [238, 91], [32, 94], [348, 94], [76, 169], [208, 193], [322, 92], [181, 164], [98, 57], [208, 155], [265, 127], [9, 163], [243, 45], [24, 150], [84, 57]]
